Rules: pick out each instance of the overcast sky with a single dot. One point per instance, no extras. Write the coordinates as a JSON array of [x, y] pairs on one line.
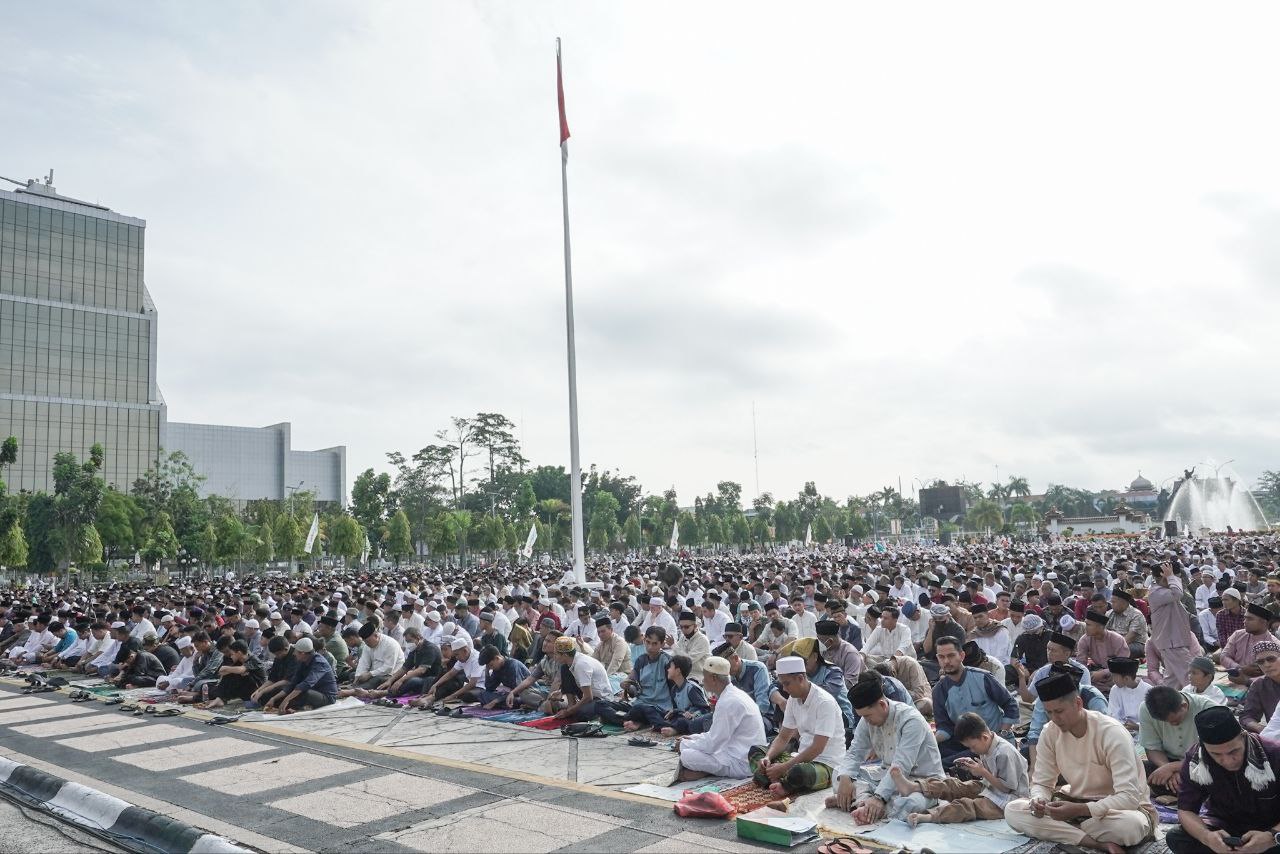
[[926, 242]]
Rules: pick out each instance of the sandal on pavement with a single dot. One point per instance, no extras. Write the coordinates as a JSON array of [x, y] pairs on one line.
[[170, 712]]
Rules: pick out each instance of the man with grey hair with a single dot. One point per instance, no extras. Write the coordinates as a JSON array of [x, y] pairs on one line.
[[736, 727]]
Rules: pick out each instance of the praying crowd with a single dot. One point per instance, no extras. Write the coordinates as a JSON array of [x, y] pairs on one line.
[[1071, 688]]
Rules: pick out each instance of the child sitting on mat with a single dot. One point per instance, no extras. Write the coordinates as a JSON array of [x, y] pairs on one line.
[[999, 775]]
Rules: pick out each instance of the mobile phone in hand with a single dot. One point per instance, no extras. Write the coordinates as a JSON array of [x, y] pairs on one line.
[[1232, 841]]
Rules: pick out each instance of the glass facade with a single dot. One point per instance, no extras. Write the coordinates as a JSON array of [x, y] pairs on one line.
[[77, 339]]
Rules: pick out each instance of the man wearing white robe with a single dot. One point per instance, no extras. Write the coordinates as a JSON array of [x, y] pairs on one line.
[[736, 726]]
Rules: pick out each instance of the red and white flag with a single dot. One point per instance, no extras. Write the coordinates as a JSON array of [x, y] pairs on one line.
[[564, 122]]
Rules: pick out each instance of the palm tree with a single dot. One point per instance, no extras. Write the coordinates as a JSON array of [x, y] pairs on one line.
[[1022, 515], [985, 514], [1018, 486], [998, 492]]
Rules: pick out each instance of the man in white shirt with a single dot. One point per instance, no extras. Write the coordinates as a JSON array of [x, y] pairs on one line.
[[806, 621], [464, 677], [889, 638], [141, 625], [618, 617], [812, 716], [39, 641], [657, 615], [432, 630], [584, 628], [1013, 622], [692, 643], [736, 727], [380, 657], [713, 623], [1206, 590], [1208, 619], [591, 686], [992, 638], [183, 672]]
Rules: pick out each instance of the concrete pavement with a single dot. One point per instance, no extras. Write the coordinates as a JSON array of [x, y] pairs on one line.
[[275, 791]]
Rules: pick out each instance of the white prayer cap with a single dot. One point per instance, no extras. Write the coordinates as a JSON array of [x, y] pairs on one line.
[[1052, 576], [419, 602], [1231, 591], [1067, 622], [117, 625], [790, 664], [183, 642], [449, 628], [304, 645], [251, 624], [167, 618], [459, 643], [1019, 577], [655, 601], [432, 616], [716, 665], [275, 615]]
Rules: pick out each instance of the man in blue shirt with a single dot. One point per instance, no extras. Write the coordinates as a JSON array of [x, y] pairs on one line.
[[649, 680], [966, 689], [502, 674], [315, 684]]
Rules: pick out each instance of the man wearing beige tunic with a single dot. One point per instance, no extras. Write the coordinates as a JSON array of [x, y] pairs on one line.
[[1170, 630], [1105, 803]]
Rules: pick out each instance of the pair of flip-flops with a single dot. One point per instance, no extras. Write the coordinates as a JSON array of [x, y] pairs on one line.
[[164, 711], [81, 696], [385, 702], [843, 845], [219, 720]]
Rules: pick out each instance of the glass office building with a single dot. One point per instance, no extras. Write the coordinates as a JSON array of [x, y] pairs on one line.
[[78, 362], [77, 337]]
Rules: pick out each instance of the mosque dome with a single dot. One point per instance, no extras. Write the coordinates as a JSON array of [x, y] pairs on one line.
[[1141, 484]]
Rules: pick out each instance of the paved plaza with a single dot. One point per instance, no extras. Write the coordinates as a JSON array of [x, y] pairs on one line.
[[364, 779]]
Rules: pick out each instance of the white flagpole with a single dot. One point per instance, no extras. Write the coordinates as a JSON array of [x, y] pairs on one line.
[[575, 466]]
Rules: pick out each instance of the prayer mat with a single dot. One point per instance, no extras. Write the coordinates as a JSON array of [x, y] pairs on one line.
[[477, 712], [1168, 815], [545, 723], [610, 729], [748, 797], [516, 717]]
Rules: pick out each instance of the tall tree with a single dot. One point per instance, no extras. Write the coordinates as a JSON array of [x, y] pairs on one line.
[[13, 547], [369, 496], [399, 541], [346, 539], [494, 434], [119, 522], [288, 537]]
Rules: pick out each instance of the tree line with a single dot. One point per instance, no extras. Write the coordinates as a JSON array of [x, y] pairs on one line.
[[469, 491]]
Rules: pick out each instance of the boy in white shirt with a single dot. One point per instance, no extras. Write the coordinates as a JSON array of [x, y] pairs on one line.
[[1200, 675], [1127, 692]]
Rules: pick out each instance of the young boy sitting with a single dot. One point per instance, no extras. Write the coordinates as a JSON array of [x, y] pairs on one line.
[[1201, 678], [1127, 692], [999, 775]]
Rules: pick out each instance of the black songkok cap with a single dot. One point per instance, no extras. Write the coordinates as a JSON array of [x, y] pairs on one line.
[[689, 615], [1261, 612], [1055, 686], [734, 627], [368, 629], [1062, 640], [1123, 666], [1095, 617], [1217, 725], [1123, 594], [866, 693], [329, 621], [980, 608], [827, 628], [1018, 605]]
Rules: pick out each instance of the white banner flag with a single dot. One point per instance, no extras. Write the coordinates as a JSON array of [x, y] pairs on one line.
[[527, 551], [675, 535], [364, 555], [808, 534], [312, 534]]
